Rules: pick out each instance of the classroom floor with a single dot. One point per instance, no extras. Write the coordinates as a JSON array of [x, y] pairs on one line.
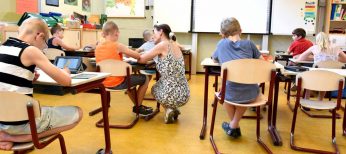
[[155, 137]]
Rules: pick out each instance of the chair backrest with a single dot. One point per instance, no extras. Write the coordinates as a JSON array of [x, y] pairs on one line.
[[320, 80], [329, 64], [51, 53], [115, 67], [14, 106], [248, 71]]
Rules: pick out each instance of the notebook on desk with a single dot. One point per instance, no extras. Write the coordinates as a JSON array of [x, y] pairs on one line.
[[84, 76]]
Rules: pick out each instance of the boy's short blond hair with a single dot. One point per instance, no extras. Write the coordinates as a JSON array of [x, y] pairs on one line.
[[230, 27], [33, 25], [109, 28]]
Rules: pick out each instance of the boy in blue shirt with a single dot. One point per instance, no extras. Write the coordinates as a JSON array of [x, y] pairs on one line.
[[231, 47]]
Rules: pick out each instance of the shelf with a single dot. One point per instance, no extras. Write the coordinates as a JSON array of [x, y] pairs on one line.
[[343, 3], [338, 2], [337, 20], [336, 34]]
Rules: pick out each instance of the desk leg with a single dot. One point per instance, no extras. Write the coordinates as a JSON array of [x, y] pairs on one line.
[[93, 112], [272, 125], [344, 123], [190, 62], [205, 107], [104, 100]]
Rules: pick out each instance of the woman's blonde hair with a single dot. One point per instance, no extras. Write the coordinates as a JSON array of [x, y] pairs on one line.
[[230, 26], [322, 41]]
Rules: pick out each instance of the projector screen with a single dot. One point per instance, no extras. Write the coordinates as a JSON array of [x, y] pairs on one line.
[[175, 13], [253, 15]]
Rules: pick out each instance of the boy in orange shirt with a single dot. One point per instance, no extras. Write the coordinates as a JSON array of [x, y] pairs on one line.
[[112, 49]]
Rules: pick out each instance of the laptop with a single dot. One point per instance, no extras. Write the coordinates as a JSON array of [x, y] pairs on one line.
[[72, 62], [135, 42]]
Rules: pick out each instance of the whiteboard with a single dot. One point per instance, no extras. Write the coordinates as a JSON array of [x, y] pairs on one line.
[[175, 13], [253, 15], [288, 15]]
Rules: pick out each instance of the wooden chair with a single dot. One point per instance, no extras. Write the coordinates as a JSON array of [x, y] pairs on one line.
[[51, 53], [247, 71], [19, 107], [317, 80], [331, 65], [118, 68]]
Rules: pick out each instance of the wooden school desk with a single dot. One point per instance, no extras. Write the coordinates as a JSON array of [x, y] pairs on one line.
[[208, 64], [281, 78], [81, 53], [83, 85], [282, 56], [304, 63]]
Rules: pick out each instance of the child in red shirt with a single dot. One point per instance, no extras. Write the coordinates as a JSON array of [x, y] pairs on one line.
[[299, 44]]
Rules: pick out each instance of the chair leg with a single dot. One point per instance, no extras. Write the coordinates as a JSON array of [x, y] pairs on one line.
[[62, 144], [127, 126], [295, 147], [293, 126], [344, 124], [216, 83], [288, 96], [333, 131], [109, 98], [211, 134], [258, 130]]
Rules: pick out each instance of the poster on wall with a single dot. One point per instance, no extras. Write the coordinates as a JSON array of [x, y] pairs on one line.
[[71, 2], [125, 8], [86, 5], [26, 6]]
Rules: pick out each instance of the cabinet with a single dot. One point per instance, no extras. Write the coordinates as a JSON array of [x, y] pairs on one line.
[[72, 37], [99, 36], [334, 20], [89, 37]]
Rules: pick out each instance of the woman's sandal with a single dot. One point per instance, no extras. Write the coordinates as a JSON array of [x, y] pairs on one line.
[[176, 114]]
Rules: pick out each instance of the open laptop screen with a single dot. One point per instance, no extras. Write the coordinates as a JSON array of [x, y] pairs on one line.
[[72, 62]]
